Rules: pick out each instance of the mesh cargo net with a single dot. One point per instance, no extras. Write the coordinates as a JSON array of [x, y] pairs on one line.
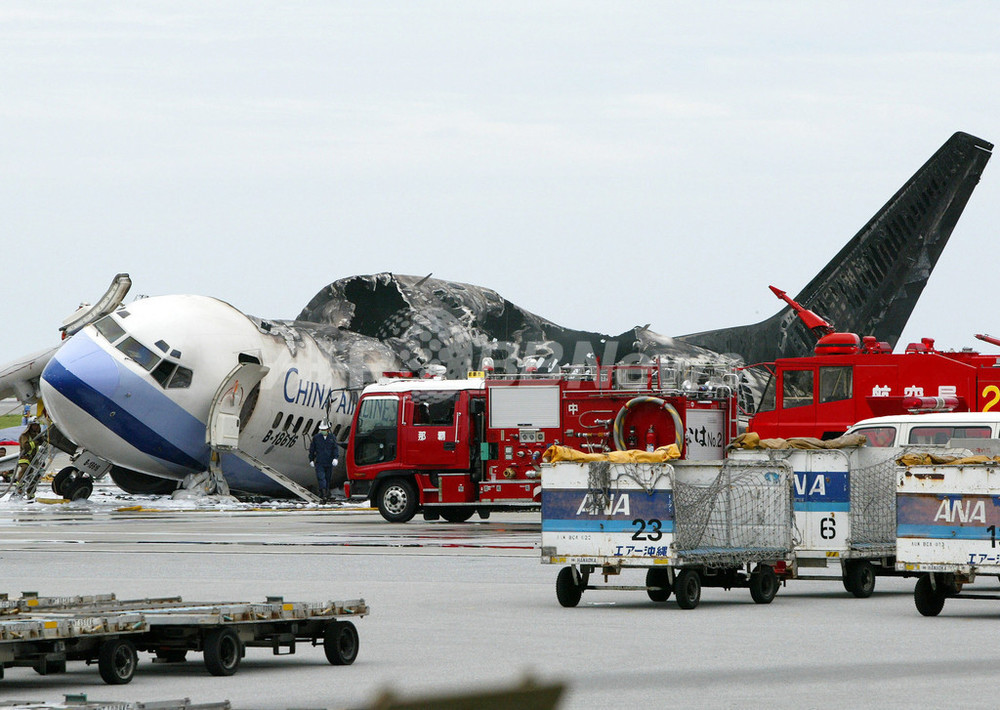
[[873, 502], [742, 516], [602, 476]]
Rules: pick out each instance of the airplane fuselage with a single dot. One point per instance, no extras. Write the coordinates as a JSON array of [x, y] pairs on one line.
[[136, 388]]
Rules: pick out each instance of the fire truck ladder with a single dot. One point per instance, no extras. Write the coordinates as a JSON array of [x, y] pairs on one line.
[[223, 431]]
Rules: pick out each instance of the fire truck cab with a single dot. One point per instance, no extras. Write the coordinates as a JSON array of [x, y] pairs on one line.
[[452, 448], [851, 378]]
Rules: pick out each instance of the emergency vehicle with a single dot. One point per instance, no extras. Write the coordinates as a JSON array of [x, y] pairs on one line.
[[850, 378], [455, 447]]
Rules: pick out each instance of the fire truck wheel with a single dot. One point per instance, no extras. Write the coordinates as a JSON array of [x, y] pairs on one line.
[[763, 584], [116, 661], [569, 588], [223, 651], [929, 601], [658, 577], [456, 515], [859, 578], [340, 643], [397, 500], [687, 587], [60, 478], [484, 513]]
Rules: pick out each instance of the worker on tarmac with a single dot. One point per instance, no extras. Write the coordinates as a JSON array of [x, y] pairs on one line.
[[324, 453], [29, 447]]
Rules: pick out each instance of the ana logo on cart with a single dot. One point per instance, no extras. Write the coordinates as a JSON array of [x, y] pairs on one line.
[[614, 507], [818, 484], [963, 511]]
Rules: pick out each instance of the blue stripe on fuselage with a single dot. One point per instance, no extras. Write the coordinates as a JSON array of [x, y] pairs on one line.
[[180, 440]]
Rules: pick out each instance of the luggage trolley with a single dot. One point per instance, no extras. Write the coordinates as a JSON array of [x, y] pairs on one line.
[[45, 632], [688, 523], [946, 529], [845, 513]]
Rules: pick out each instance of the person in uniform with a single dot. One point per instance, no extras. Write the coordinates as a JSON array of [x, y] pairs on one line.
[[324, 453], [29, 447]]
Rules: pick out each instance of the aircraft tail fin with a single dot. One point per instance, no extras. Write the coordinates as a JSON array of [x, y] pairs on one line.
[[872, 285]]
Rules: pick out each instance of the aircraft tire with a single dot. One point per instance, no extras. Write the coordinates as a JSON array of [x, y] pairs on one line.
[[687, 588], [116, 661], [60, 479], [223, 651], [763, 584], [78, 488], [860, 578], [397, 499], [928, 600], [569, 588], [340, 643], [658, 577]]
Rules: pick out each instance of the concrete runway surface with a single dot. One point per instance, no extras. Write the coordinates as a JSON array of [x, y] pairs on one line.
[[468, 606]]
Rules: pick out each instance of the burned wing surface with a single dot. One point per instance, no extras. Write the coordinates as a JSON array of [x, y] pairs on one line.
[[872, 285], [431, 321]]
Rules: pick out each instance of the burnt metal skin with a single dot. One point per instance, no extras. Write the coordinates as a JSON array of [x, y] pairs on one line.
[[870, 287]]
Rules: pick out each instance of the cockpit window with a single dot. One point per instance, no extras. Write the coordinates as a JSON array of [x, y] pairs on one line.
[[107, 327], [142, 355], [181, 378], [162, 345], [162, 372]]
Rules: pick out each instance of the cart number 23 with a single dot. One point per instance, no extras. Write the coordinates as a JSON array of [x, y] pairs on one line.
[[647, 529]]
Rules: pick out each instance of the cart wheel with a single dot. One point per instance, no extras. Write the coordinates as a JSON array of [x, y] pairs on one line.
[[569, 589], [859, 578], [457, 515], [340, 642], [687, 587], [929, 601], [763, 584], [116, 660], [223, 651], [397, 500], [658, 577]]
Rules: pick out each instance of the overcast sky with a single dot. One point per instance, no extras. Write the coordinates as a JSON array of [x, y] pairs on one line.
[[603, 164]]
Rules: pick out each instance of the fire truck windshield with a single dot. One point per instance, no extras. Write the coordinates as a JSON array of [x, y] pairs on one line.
[[375, 435]]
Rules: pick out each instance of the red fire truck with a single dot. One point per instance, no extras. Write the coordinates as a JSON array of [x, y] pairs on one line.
[[455, 447], [850, 378]]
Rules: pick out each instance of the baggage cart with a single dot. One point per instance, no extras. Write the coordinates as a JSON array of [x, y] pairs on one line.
[[946, 530], [45, 633], [689, 524]]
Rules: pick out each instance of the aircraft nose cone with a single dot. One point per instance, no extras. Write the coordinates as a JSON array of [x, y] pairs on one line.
[[80, 371]]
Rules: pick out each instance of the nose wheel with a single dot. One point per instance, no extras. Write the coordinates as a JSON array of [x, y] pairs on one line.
[[72, 484]]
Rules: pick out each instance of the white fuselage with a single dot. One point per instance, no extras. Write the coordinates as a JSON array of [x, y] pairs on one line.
[[136, 388]]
